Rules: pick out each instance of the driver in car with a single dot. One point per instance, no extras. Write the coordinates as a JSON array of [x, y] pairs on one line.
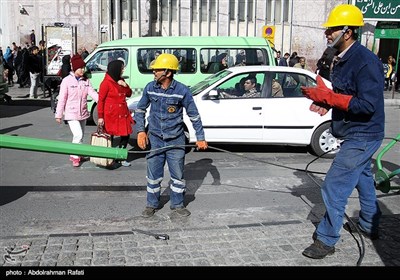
[[250, 87]]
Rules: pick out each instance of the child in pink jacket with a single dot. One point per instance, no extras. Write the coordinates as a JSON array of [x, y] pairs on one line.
[[72, 102]]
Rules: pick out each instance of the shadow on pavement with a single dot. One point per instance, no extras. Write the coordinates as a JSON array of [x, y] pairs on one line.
[[22, 106]]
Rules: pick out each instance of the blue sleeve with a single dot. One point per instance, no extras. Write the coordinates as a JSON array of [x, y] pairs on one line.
[[193, 113]]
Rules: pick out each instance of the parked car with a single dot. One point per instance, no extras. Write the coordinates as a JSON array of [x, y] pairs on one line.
[[274, 118]]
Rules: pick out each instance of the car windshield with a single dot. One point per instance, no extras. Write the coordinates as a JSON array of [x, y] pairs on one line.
[[210, 80]]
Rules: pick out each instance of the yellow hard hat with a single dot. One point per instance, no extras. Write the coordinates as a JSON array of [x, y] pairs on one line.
[[166, 61], [345, 15]]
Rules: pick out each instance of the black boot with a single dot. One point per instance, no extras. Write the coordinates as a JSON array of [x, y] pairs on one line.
[[318, 250]]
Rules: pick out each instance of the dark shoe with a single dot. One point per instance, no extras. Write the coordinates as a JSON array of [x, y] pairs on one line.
[[318, 250], [7, 98], [314, 236], [181, 211], [148, 212], [350, 228]]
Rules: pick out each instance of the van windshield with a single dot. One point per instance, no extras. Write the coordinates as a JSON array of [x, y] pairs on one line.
[[210, 80]]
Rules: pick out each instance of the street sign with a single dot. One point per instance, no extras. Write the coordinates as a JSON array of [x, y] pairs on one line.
[[268, 32], [103, 28], [379, 9]]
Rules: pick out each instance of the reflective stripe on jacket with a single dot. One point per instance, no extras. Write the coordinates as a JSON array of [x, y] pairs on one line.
[[166, 112]]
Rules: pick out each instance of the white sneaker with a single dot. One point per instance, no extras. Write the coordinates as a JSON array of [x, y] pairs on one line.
[[125, 163]]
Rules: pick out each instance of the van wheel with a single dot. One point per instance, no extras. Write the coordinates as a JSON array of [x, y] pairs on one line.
[[323, 143]]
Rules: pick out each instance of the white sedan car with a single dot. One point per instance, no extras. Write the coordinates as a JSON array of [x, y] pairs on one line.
[[280, 115]]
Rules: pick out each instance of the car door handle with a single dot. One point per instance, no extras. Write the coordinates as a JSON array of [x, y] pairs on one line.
[[125, 77], [257, 108]]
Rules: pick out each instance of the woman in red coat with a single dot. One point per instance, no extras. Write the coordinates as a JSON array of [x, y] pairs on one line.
[[113, 111]]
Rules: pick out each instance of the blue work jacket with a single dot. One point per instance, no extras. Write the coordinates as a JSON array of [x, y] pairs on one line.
[[359, 73], [166, 111]]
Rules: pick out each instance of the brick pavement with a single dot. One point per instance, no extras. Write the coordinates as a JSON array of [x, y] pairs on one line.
[[268, 242]]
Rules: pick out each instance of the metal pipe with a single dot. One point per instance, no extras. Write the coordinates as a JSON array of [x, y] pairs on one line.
[[118, 21], [387, 148], [60, 147]]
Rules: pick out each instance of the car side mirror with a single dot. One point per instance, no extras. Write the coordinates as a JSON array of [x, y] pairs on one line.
[[213, 94]]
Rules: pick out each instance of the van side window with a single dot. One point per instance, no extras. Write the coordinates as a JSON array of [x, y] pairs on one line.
[[186, 58], [99, 61], [214, 60]]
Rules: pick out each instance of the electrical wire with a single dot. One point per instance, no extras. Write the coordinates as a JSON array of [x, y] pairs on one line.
[[362, 247], [308, 173], [225, 151]]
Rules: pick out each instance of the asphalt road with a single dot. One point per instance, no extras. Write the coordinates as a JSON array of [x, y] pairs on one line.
[[43, 195]]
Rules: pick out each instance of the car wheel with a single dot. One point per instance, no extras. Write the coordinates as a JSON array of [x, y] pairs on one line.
[[94, 115], [187, 148], [323, 143]]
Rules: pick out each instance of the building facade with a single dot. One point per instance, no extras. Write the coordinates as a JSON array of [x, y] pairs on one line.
[[296, 25]]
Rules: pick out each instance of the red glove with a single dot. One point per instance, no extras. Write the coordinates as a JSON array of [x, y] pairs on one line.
[[201, 145], [322, 94], [142, 140]]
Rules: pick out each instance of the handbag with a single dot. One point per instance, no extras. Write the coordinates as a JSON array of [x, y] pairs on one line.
[[100, 138]]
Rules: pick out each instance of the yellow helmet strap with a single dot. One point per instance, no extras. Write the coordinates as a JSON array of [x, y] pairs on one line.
[[333, 44], [162, 75]]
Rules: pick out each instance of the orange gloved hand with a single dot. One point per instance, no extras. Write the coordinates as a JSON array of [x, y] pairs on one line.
[[322, 94], [201, 145], [142, 140]]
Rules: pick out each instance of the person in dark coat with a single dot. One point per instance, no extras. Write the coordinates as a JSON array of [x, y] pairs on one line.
[[24, 78], [113, 111], [294, 59], [65, 67], [324, 63]]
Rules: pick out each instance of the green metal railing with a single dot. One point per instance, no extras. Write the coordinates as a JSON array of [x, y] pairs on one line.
[[382, 179]]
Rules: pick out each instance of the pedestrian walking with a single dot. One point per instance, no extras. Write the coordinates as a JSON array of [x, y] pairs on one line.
[[32, 36], [72, 103], [358, 119], [34, 64], [283, 60], [165, 135], [113, 111]]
